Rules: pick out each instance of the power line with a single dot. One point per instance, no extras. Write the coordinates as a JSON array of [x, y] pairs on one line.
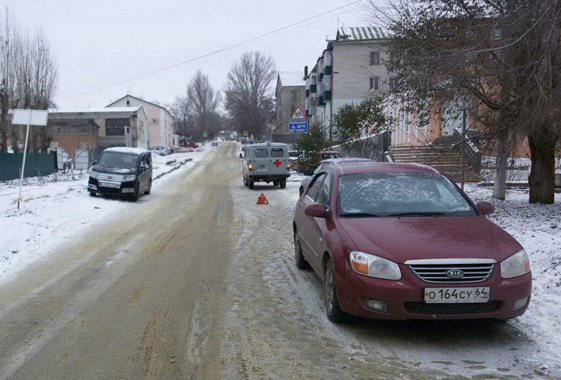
[[130, 78]]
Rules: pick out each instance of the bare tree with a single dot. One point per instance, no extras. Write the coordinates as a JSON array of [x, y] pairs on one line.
[[202, 100], [502, 56], [249, 99]]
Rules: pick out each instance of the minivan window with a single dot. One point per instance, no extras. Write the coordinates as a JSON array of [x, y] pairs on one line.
[[261, 153], [118, 160], [277, 152]]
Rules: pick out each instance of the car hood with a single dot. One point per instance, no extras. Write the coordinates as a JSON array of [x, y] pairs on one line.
[[102, 169], [412, 238]]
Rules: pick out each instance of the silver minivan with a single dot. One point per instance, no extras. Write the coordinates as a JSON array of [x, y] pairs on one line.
[[266, 162]]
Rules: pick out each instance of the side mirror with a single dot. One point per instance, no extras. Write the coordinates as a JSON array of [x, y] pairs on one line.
[[94, 163], [308, 173], [486, 208], [316, 210]]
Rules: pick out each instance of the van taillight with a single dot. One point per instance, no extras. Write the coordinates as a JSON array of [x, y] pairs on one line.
[[250, 167], [287, 166]]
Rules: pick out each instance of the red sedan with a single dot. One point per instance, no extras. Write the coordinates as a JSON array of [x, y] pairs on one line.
[[401, 241]]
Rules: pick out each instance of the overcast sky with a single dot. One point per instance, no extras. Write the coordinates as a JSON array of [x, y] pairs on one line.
[[100, 41]]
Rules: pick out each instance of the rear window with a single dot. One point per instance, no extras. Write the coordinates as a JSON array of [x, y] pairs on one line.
[[277, 152], [261, 153]]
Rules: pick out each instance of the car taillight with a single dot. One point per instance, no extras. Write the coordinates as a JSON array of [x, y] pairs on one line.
[[250, 167]]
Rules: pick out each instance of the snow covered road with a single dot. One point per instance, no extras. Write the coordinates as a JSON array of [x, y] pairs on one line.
[[199, 282]]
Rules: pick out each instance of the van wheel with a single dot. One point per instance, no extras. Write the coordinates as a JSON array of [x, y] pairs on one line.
[[334, 312], [149, 188], [245, 181], [250, 183], [283, 183], [134, 197]]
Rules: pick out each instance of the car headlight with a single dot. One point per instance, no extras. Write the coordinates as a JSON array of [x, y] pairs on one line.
[[374, 266], [93, 174], [130, 177], [516, 265]]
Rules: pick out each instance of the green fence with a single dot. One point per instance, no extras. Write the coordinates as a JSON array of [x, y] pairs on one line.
[[35, 164]]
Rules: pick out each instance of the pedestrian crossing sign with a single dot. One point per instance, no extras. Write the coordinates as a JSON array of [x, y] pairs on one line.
[[298, 115]]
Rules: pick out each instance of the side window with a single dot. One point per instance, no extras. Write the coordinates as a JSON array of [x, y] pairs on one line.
[[325, 191], [315, 187], [317, 169], [261, 153]]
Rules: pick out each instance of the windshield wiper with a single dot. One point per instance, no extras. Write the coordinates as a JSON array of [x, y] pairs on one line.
[[359, 215], [417, 214]]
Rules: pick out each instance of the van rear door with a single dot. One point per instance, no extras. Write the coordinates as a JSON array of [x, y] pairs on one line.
[[279, 160]]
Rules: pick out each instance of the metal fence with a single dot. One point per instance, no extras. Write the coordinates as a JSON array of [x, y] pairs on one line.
[[36, 164]]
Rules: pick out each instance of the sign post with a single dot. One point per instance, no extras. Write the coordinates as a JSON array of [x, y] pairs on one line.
[[298, 122], [28, 117]]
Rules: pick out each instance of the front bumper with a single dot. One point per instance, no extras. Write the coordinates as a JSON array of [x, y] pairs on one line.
[[119, 189], [405, 298]]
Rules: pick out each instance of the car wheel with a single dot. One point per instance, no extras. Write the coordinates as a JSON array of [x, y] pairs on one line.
[[161, 154], [333, 310], [250, 184], [134, 197], [149, 188], [92, 193], [283, 183], [299, 259]]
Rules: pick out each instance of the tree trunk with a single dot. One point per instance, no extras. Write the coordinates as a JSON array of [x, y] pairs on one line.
[[542, 175], [499, 189]]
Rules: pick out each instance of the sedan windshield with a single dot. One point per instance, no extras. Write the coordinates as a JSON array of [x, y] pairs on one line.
[[400, 194], [118, 160]]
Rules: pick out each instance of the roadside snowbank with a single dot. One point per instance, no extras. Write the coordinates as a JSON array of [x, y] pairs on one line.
[[538, 229], [58, 208]]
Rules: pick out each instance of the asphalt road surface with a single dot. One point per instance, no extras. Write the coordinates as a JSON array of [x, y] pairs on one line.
[[201, 284]]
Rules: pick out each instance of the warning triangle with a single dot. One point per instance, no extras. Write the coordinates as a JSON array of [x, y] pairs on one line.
[[262, 200], [298, 115]]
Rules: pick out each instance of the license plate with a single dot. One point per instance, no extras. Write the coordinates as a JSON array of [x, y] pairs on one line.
[[110, 184], [457, 295], [262, 170]]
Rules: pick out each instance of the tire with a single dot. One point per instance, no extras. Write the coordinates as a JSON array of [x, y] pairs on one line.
[[332, 309], [134, 197], [149, 188], [275, 183], [92, 193], [245, 181], [250, 183], [283, 183], [299, 259]]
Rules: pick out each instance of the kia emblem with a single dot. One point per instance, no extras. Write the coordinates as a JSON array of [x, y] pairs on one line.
[[455, 273]]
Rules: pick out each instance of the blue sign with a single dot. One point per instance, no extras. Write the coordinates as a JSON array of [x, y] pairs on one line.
[[298, 126]]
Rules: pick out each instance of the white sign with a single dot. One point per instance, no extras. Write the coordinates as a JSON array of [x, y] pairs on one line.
[[31, 117]]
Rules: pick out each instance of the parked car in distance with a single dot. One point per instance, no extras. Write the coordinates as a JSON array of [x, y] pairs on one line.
[[401, 241], [160, 150], [122, 172], [266, 162], [332, 161], [214, 143], [329, 154], [294, 156], [191, 144], [311, 162]]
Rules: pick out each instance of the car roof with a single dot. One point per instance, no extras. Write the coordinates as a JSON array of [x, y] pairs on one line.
[[382, 167], [126, 150], [346, 160], [270, 145]]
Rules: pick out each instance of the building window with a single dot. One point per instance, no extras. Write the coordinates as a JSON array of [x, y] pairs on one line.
[[374, 58], [393, 58], [393, 84], [116, 127], [374, 83]]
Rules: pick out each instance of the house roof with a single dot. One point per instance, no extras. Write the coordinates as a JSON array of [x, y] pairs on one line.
[[363, 33], [291, 78], [94, 110], [142, 100]]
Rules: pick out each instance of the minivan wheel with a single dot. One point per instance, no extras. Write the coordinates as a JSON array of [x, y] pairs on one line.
[[134, 197], [283, 183], [333, 310], [149, 188], [92, 193], [299, 259]]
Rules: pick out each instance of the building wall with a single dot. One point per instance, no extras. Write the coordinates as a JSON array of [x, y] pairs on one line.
[[287, 100], [159, 121], [71, 141]]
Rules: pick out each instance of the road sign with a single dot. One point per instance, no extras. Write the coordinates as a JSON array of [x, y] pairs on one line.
[[298, 126], [262, 200], [298, 114], [245, 133], [205, 135]]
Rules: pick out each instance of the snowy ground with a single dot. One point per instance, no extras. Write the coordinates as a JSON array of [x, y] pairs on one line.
[[58, 208], [538, 229]]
